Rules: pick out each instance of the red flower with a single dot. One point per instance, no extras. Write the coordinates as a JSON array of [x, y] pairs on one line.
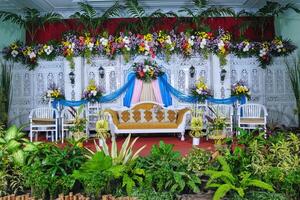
[[141, 74], [81, 40]]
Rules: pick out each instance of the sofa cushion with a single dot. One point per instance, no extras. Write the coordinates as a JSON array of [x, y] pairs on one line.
[[136, 116], [147, 125], [170, 116]]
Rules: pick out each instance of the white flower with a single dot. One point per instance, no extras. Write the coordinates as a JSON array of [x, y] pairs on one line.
[[104, 41], [32, 55], [191, 42], [48, 50], [246, 48], [90, 46], [203, 43], [126, 40], [168, 40], [14, 53], [127, 47], [94, 92], [221, 44]]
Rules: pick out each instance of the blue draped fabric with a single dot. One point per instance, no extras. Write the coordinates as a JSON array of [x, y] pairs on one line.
[[129, 92], [107, 98], [164, 91], [167, 88]]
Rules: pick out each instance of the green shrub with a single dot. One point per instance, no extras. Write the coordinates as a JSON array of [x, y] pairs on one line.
[[259, 195], [165, 171], [49, 170], [197, 160], [150, 194], [225, 181]]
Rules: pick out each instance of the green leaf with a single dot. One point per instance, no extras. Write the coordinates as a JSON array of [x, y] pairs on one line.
[[11, 133], [222, 191], [12, 145], [2, 141], [129, 183], [18, 157], [260, 184]]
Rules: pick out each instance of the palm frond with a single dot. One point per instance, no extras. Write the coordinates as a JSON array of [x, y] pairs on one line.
[[244, 13], [134, 9], [188, 11], [51, 17], [200, 3], [274, 9], [12, 17], [112, 11], [87, 10], [216, 11]]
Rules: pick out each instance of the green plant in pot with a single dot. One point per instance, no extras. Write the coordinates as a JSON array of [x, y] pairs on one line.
[[216, 125], [78, 130], [102, 129], [196, 128]]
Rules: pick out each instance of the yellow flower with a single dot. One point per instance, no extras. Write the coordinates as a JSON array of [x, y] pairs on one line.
[[141, 48], [14, 46], [148, 37], [222, 50]]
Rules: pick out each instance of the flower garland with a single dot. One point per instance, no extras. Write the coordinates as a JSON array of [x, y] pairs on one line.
[[240, 89], [201, 91], [150, 44], [147, 70], [92, 92]]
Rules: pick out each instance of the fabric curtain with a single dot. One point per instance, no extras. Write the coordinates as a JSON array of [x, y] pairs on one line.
[[137, 91], [156, 91], [147, 92]]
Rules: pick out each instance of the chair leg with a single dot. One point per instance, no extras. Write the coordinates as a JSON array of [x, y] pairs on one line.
[[31, 134], [182, 136]]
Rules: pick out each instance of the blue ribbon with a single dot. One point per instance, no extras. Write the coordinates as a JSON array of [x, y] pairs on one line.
[[104, 99], [166, 89]]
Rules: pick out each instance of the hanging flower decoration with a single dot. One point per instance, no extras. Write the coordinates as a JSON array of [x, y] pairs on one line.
[[151, 44], [222, 45], [53, 92], [201, 91], [147, 70], [92, 93], [239, 89]]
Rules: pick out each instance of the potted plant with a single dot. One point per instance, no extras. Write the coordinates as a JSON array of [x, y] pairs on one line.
[[78, 130], [196, 129], [102, 129], [216, 126]]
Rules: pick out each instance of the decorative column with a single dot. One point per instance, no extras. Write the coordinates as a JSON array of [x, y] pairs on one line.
[[220, 78], [74, 79]]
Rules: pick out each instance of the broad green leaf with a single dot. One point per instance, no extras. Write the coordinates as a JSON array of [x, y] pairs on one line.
[[18, 157], [222, 191], [260, 184], [11, 133], [12, 145]]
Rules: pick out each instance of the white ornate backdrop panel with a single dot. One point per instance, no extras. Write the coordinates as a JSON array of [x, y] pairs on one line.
[[270, 87], [29, 86]]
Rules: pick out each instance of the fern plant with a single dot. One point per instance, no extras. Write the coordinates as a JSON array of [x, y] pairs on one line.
[[270, 9], [91, 20], [31, 20], [145, 22], [225, 181], [202, 11]]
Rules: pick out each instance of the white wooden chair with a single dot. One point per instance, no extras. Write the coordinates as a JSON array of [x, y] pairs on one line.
[[92, 115], [44, 119], [224, 111], [251, 116]]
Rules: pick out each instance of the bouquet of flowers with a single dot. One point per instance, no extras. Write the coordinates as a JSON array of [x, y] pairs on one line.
[[201, 91], [53, 92], [92, 92], [147, 71], [240, 89]]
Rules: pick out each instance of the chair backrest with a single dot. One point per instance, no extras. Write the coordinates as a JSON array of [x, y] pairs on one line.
[[222, 110], [252, 110], [92, 112], [44, 113]]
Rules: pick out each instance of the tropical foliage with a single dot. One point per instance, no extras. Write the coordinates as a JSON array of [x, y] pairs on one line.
[[5, 91], [31, 20]]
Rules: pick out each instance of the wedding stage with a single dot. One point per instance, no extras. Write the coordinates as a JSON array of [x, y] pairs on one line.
[[270, 87]]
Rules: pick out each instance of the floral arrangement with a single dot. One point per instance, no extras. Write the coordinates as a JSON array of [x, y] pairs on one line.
[[53, 92], [196, 127], [147, 70], [240, 89], [150, 44], [92, 92], [78, 130], [201, 91]]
